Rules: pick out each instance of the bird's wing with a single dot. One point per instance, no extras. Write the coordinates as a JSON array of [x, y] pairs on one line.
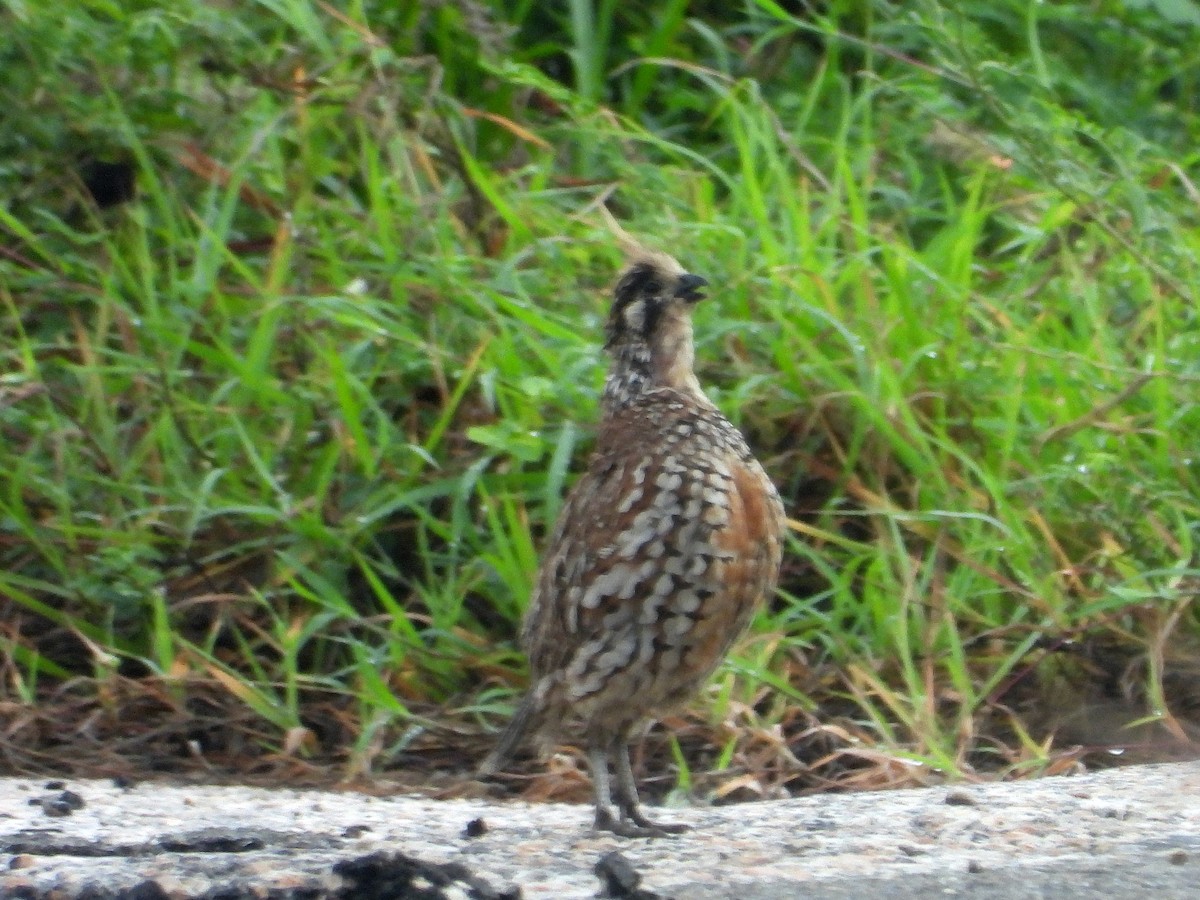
[[637, 529]]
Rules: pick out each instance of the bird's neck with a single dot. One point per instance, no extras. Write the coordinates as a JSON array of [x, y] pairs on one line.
[[638, 368]]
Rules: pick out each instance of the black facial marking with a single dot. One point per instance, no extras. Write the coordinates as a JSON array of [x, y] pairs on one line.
[[656, 288], [641, 282]]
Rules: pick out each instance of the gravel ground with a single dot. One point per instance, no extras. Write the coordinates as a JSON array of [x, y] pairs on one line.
[[1121, 833]]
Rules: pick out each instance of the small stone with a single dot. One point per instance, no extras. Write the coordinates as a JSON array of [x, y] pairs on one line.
[[147, 890], [475, 828], [617, 875], [960, 798], [974, 867], [1178, 857], [71, 799]]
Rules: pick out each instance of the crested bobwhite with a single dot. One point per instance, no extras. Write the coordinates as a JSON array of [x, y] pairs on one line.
[[662, 552]]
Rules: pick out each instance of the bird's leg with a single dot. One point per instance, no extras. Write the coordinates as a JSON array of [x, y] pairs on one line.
[[635, 825], [627, 796], [601, 792]]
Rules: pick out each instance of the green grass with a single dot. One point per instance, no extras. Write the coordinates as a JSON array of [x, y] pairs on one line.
[[284, 433]]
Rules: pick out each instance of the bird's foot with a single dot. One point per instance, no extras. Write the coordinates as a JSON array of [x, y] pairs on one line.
[[633, 824]]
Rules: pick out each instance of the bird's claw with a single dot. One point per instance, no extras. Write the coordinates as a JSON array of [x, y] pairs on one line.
[[632, 824]]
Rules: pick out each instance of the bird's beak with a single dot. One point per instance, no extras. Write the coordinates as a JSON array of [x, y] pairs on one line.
[[688, 288]]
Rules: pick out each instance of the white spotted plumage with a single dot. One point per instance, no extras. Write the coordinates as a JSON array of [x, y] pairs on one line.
[[662, 551]]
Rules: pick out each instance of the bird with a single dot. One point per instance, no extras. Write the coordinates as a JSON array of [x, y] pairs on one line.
[[662, 551]]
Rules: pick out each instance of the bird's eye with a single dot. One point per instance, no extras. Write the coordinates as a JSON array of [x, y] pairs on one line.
[[639, 281]]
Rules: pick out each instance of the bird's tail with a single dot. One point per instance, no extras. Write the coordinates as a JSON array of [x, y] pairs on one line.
[[522, 722]]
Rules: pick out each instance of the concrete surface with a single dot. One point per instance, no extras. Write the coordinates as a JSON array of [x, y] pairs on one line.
[[1130, 832]]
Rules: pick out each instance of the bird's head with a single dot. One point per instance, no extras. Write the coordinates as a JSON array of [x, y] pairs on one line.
[[650, 326], [653, 295]]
